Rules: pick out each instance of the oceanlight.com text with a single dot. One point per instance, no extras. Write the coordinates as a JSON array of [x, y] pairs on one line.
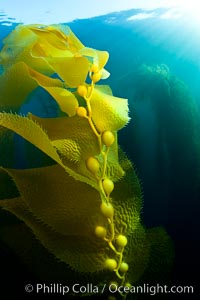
[[151, 289], [58, 288]]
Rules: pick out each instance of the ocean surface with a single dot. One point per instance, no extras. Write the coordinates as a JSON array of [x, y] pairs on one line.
[[155, 64]]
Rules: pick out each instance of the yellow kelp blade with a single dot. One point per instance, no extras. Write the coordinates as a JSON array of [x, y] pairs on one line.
[[45, 34], [15, 86], [108, 112], [15, 43], [21, 36], [22, 52], [74, 43], [44, 49], [65, 99], [30, 131], [114, 170], [106, 89], [102, 58], [68, 149], [34, 134], [69, 135], [73, 70], [59, 36], [52, 202], [18, 82], [105, 74], [15, 96], [75, 142], [56, 198], [75, 128], [43, 80], [50, 44], [99, 58]]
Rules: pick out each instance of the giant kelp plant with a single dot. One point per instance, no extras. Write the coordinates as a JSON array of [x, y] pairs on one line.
[[84, 207]]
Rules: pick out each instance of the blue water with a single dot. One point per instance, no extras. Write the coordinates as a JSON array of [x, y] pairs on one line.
[[159, 139]]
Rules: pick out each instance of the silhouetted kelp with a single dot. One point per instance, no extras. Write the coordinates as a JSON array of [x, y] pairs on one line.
[[177, 156], [85, 207]]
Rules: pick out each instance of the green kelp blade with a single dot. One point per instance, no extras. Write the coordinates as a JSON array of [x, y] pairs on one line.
[[7, 147], [8, 188], [48, 268], [58, 200], [81, 253]]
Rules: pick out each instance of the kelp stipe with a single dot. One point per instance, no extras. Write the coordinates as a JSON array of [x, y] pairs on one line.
[[85, 208]]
